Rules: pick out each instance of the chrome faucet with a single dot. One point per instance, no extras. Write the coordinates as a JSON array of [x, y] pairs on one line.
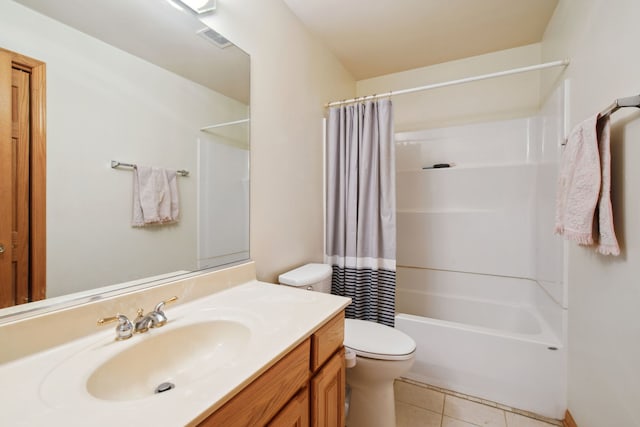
[[142, 322], [154, 319], [125, 328]]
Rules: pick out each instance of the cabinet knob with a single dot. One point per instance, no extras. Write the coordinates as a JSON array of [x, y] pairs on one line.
[[1, 248]]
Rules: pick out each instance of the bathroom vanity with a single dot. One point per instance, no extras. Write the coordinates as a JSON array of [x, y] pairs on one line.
[[237, 352], [305, 387]]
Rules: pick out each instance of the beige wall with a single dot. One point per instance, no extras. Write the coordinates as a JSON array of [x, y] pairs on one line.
[[292, 76], [601, 39], [502, 98]]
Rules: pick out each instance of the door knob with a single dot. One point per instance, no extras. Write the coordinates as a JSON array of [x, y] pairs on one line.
[[1, 248]]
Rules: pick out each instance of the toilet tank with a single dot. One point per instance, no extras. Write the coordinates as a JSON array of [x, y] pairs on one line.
[[312, 277]]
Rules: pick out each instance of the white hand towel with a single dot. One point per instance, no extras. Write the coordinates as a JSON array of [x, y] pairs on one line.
[[155, 196], [584, 187]]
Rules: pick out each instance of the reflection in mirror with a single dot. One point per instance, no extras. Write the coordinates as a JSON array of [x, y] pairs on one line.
[[141, 83]]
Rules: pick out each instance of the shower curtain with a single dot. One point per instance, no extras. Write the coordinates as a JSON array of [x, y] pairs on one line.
[[361, 208]]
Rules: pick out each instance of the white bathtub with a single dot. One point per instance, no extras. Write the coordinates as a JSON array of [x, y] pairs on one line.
[[485, 336]]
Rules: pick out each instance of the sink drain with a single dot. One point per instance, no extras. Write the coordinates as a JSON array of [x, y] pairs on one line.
[[164, 387]]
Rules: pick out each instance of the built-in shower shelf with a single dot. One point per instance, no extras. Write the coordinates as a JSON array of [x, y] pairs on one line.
[[445, 211], [468, 166]]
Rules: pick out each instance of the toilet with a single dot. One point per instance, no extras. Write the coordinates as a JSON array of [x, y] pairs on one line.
[[382, 354]]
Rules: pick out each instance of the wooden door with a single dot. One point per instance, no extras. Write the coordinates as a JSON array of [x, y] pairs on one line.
[[295, 413], [22, 179]]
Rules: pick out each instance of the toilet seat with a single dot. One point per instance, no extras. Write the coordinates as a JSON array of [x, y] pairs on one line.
[[375, 341]]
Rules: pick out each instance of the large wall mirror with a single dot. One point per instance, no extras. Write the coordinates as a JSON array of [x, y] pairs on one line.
[[141, 83]]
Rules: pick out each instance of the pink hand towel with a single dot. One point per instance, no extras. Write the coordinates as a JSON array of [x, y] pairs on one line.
[[607, 242], [584, 187]]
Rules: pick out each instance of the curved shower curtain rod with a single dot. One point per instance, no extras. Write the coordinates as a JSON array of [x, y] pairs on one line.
[[560, 63]]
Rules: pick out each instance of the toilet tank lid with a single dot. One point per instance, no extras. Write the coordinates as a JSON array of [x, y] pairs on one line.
[[373, 340], [306, 275]]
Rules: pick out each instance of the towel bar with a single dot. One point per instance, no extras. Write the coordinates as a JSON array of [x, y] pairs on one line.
[[631, 101], [116, 164]]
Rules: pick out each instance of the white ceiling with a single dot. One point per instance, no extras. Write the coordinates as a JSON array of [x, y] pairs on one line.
[[156, 32], [377, 37]]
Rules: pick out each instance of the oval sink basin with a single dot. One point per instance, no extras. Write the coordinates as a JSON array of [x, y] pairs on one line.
[[178, 356]]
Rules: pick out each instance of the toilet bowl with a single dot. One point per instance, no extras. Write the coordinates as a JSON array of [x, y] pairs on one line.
[[382, 355]]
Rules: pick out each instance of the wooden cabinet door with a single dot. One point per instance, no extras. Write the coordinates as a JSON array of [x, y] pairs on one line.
[[295, 413], [327, 393]]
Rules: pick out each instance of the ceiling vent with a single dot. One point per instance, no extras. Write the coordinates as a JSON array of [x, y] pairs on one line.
[[214, 37]]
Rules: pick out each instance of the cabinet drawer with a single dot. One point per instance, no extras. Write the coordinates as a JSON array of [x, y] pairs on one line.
[[326, 340], [263, 398]]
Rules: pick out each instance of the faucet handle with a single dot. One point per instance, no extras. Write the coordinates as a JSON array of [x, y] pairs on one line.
[[124, 330], [160, 306], [159, 318]]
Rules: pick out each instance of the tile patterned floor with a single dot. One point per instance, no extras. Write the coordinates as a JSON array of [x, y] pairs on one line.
[[423, 406]]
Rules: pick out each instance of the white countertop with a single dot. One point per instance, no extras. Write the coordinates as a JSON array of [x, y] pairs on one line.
[[49, 387]]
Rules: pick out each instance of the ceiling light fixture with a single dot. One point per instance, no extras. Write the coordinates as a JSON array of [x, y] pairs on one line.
[[199, 6]]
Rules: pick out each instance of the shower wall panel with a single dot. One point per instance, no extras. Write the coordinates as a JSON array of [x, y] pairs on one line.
[[477, 216]]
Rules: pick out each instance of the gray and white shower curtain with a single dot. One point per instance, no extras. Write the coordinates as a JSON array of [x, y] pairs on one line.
[[361, 208]]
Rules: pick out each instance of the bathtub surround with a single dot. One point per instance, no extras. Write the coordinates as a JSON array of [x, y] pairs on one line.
[[223, 200], [490, 215], [499, 195], [470, 273], [483, 337], [361, 217]]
